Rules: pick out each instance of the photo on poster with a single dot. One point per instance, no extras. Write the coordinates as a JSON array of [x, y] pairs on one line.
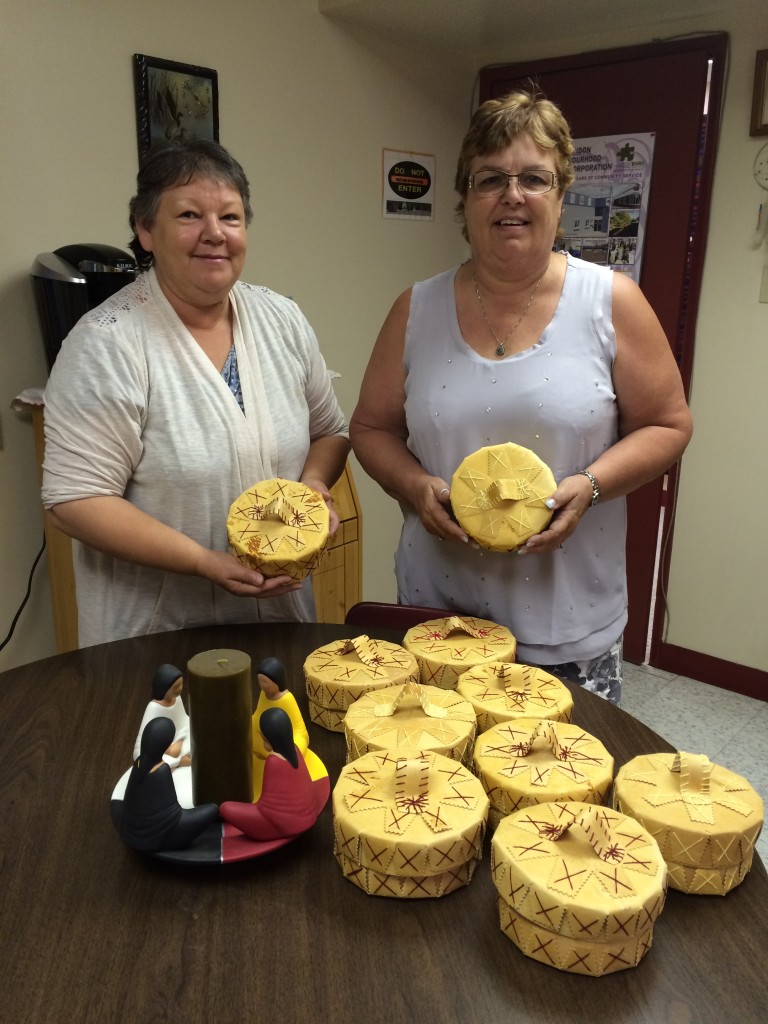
[[407, 185], [605, 209]]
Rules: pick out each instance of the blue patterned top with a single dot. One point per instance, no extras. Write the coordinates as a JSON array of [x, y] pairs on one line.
[[230, 374]]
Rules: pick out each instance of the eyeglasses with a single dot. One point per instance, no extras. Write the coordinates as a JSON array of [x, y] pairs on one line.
[[493, 183]]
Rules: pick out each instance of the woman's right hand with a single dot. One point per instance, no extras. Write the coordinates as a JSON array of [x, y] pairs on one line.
[[223, 569], [431, 498]]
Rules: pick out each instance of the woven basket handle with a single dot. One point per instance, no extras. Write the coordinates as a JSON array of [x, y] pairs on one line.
[[592, 826], [696, 792], [512, 677], [504, 490], [411, 783], [695, 773], [283, 510], [458, 624], [544, 729], [363, 647], [410, 695]]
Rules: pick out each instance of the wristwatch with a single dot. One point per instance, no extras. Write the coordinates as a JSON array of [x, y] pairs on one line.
[[595, 486]]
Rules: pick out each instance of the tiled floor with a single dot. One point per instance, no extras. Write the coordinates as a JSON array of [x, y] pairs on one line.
[[730, 729]]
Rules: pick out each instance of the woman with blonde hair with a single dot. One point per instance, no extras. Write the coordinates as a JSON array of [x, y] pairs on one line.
[[525, 344]]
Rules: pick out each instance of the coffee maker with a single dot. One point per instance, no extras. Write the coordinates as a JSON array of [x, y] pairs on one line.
[[71, 280]]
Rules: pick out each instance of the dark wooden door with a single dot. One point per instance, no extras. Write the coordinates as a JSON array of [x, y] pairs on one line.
[[673, 89]]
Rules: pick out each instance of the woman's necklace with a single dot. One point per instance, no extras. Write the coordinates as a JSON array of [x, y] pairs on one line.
[[501, 346]]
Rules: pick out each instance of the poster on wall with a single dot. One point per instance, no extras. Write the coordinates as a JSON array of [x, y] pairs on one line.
[[604, 210], [407, 185]]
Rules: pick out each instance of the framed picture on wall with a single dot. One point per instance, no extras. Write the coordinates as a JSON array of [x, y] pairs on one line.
[[759, 123], [173, 102]]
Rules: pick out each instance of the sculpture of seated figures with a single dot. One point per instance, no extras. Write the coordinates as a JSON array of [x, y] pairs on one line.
[[167, 684], [289, 801]]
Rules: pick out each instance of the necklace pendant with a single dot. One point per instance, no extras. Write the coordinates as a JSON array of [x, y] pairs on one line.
[[500, 349]]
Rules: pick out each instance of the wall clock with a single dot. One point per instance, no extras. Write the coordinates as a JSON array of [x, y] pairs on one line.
[[760, 167]]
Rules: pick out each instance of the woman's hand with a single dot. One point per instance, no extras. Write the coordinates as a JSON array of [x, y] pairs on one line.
[[570, 501], [226, 572], [322, 468], [322, 489], [430, 496]]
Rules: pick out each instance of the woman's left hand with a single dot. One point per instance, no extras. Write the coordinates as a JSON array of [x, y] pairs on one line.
[[321, 488], [570, 501]]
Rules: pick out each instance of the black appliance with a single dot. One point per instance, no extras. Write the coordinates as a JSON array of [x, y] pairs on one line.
[[71, 280]]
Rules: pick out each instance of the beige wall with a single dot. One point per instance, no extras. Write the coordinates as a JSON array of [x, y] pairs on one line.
[[719, 584], [307, 105]]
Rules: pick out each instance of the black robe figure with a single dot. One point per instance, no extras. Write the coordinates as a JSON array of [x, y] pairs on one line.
[[151, 817]]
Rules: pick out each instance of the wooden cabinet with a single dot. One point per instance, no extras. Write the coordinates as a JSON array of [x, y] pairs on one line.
[[336, 582], [60, 572]]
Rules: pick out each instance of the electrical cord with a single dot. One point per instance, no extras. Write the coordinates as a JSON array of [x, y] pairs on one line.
[[26, 597]]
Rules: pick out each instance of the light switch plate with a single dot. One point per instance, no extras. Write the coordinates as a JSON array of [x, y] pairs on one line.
[[764, 286]]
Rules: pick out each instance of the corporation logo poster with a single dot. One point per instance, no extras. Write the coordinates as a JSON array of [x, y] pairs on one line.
[[605, 209]]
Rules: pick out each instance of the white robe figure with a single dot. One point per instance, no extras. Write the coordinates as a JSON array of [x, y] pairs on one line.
[[178, 715]]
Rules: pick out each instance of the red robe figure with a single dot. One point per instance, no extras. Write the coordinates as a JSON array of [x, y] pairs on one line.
[[288, 804]]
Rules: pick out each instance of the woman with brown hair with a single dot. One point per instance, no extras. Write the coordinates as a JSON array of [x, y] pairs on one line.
[[170, 399]]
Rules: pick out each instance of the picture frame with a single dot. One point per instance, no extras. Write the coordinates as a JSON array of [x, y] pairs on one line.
[[173, 101], [759, 122]]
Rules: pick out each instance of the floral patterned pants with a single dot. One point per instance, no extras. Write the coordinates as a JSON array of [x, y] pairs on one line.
[[601, 675]]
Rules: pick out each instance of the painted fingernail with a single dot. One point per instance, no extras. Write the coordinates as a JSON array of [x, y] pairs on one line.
[[550, 502]]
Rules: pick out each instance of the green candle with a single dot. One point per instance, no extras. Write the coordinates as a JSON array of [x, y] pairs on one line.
[[220, 709]]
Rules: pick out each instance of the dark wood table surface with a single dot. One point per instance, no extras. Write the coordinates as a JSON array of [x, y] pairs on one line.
[[93, 932]]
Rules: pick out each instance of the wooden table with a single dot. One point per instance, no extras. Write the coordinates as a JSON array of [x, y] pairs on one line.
[[92, 932]]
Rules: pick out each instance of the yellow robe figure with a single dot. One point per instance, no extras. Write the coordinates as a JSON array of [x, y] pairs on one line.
[[287, 702]]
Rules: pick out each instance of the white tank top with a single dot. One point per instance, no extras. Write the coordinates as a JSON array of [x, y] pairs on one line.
[[555, 398]]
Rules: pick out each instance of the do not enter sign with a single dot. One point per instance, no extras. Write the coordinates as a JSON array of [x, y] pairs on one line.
[[409, 180], [408, 183]]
